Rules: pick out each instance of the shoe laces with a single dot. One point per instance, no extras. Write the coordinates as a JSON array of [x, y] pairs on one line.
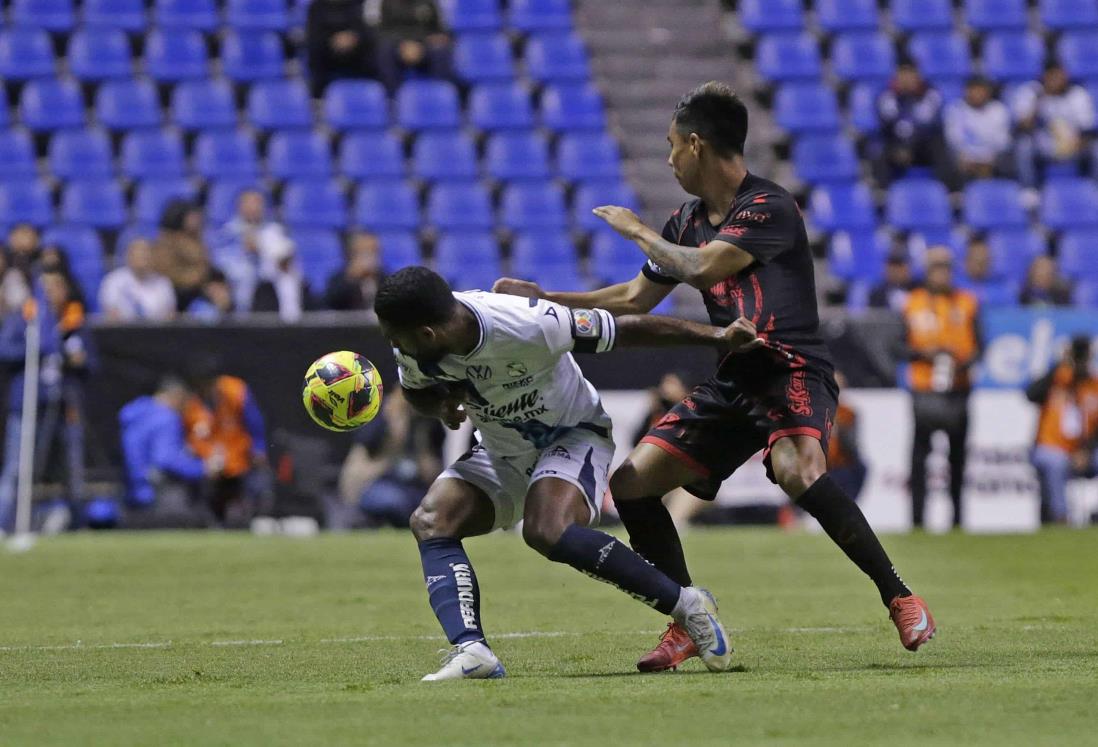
[[447, 655], [908, 614]]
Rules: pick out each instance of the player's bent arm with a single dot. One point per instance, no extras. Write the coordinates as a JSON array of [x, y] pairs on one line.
[[700, 267], [437, 401], [638, 296], [643, 330]]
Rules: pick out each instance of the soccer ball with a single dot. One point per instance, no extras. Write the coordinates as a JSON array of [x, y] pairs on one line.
[[342, 391]]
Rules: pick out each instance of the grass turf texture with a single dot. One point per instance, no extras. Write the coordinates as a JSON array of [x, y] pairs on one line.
[[1015, 661]]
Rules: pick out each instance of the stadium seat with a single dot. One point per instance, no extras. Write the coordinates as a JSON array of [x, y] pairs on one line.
[[584, 155], [5, 115], [941, 56], [315, 203], [57, 16], [126, 15], [127, 104], [590, 196], [480, 58], [862, 105], [356, 105], [99, 54], [1069, 203], [51, 104], [279, 104], [248, 56], [825, 158], [371, 155], [26, 202], [460, 206], [428, 104], [517, 155], [531, 206], [446, 155], [1012, 251], [555, 57], [1076, 50], [81, 154], [16, 156], [1062, 15], [261, 15], [320, 253], [230, 154], [858, 255], [77, 242], [783, 57], [835, 16], [994, 203], [764, 16], [540, 15], [1078, 254], [468, 259], [1013, 56], [200, 15], [173, 55], [922, 15], [572, 107], [863, 57], [133, 231], [989, 15], [152, 195], [614, 258], [806, 107], [836, 207], [472, 15], [204, 105], [221, 197], [303, 154], [500, 106], [534, 248], [387, 205], [1085, 294], [93, 202], [399, 249], [25, 54], [917, 203]]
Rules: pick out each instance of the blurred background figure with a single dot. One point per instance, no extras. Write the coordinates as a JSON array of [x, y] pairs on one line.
[[978, 276], [414, 43], [977, 130], [339, 44], [1056, 123], [179, 252], [1044, 285], [910, 113], [844, 459], [135, 291], [249, 247], [214, 301], [354, 286], [892, 292], [23, 249], [1067, 428], [282, 289]]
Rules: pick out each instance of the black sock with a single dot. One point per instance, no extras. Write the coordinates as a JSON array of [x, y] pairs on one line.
[[606, 558], [653, 536], [845, 523]]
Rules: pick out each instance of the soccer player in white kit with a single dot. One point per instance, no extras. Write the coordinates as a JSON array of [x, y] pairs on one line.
[[545, 447]]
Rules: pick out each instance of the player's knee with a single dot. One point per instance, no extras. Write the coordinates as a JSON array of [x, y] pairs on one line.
[[625, 482], [798, 476], [427, 523], [542, 534]]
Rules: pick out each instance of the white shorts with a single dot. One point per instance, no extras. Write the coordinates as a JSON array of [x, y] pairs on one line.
[[579, 457]]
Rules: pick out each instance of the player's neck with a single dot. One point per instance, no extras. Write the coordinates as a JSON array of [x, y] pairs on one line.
[[466, 331], [721, 183]]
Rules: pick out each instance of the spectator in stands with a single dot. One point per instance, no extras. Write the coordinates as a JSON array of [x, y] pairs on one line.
[[24, 249], [977, 130], [1044, 286], [248, 247], [1056, 122], [414, 42], [891, 293], [135, 291], [979, 277], [282, 288], [844, 459], [14, 288], [179, 252], [339, 43], [943, 343], [354, 287], [1067, 428], [214, 301], [910, 111]]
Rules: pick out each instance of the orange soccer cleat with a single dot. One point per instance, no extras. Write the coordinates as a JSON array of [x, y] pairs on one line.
[[674, 648], [913, 619]]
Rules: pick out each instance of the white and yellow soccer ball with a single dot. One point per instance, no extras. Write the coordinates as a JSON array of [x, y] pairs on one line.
[[342, 391]]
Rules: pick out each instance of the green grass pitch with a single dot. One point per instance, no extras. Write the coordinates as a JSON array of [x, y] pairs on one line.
[[226, 639]]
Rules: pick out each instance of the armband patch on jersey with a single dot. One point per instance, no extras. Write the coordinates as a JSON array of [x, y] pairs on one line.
[[593, 330]]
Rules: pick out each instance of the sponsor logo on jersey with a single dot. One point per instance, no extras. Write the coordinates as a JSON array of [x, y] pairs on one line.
[[480, 373], [523, 408], [524, 381], [466, 599], [753, 215], [559, 452], [516, 369]]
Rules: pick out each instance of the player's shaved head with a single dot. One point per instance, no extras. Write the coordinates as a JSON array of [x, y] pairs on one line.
[[716, 114], [414, 297]]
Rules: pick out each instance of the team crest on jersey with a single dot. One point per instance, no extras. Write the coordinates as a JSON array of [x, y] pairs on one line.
[[516, 369], [585, 323]]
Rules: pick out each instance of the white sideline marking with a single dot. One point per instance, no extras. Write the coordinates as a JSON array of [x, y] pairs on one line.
[[247, 643]]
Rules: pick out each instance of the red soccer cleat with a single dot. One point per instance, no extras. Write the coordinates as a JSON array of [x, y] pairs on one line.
[[913, 619], [674, 648]]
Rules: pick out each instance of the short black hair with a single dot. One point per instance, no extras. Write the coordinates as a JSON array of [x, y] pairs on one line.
[[414, 297], [716, 114]]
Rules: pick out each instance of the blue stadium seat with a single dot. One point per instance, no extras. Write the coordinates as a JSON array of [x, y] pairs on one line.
[[152, 195], [918, 203], [922, 15], [248, 56], [1085, 294], [764, 16], [387, 205], [1078, 254], [448, 155], [941, 56], [825, 158], [863, 57], [1062, 15], [540, 15], [806, 107], [472, 15], [994, 203], [847, 15], [5, 114], [77, 242], [555, 57], [460, 206], [468, 259], [428, 104], [782, 57], [81, 154], [127, 104], [316, 203], [173, 55], [204, 105], [153, 154], [989, 15], [262, 15], [51, 104], [99, 54], [858, 255], [25, 54], [226, 154], [583, 155], [200, 15], [1069, 203], [1013, 56], [279, 104], [534, 248], [356, 105], [836, 207], [480, 58], [221, 197], [26, 202], [133, 231], [614, 258], [572, 107], [371, 155], [517, 155], [1076, 50], [320, 253], [531, 206], [862, 105], [399, 249], [1012, 251], [549, 274], [299, 155], [590, 196], [16, 155], [500, 106], [88, 273], [93, 202], [127, 15], [52, 15]]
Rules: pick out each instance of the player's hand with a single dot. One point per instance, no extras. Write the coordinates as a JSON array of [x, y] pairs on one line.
[[741, 336], [621, 219], [453, 414], [514, 287]]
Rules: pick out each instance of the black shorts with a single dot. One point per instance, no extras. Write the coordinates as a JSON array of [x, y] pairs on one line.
[[725, 421]]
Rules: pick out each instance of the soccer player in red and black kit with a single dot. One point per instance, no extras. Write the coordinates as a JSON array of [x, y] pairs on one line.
[[742, 243]]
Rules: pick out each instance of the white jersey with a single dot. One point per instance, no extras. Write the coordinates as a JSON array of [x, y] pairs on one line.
[[525, 388]]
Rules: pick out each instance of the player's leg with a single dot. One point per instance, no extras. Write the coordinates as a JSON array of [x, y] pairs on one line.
[[958, 458], [920, 450]]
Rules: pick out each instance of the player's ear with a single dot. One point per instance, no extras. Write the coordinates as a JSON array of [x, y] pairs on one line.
[[695, 144]]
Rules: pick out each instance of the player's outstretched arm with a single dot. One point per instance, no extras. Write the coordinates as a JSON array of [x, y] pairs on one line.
[[643, 330], [639, 296]]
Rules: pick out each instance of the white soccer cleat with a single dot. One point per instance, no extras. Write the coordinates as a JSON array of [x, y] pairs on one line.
[[697, 613], [468, 661]]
